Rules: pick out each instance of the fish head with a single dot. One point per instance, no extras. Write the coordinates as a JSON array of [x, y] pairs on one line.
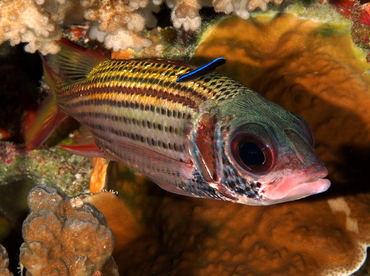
[[266, 154]]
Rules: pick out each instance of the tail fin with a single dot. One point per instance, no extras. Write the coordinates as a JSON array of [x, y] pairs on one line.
[[71, 64], [48, 116]]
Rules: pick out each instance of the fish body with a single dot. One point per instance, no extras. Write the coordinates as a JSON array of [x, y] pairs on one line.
[[208, 137]]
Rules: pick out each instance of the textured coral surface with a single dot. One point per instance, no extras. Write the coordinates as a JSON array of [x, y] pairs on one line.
[[64, 237]]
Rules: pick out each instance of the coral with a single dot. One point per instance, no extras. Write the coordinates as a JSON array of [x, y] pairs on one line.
[[4, 262], [242, 7], [117, 23], [24, 21], [306, 237], [64, 236], [359, 13], [120, 214], [186, 14]]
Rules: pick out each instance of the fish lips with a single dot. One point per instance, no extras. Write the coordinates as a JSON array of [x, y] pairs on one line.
[[296, 186]]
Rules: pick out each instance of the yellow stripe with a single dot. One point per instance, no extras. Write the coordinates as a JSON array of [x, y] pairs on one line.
[[111, 74]]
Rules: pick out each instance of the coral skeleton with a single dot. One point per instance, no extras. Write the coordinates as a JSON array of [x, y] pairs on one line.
[[65, 237], [118, 24]]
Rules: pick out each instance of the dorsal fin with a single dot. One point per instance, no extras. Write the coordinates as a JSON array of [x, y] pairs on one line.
[[201, 71], [73, 62]]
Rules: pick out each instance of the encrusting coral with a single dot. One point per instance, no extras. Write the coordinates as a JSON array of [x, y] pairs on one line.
[[69, 172], [117, 23], [65, 237]]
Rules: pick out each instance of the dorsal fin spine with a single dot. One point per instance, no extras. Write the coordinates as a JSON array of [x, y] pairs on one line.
[[73, 62]]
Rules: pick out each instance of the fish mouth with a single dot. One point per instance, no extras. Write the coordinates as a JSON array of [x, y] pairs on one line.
[[297, 186]]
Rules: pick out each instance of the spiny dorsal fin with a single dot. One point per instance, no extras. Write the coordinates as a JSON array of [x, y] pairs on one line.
[[73, 62]]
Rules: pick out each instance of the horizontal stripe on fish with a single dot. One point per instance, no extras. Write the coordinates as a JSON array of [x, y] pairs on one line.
[[131, 121], [155, 92], [135, 118], [165, 146], [95, 128], [141, 92], [146, 78], [140, 103], [191, 131], [144, 128]]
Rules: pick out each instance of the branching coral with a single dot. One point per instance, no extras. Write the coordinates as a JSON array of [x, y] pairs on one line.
[[25, 21], [242, 7], [185, 13], [65, 237], [117, 23]]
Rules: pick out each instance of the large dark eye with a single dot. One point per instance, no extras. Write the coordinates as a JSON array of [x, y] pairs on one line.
[[251, 153]]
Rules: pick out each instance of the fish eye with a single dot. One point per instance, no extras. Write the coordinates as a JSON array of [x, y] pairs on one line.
[[251, 153]]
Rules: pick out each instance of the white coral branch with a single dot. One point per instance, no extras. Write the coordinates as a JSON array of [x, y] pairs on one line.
[[117, 23], [26, 22]]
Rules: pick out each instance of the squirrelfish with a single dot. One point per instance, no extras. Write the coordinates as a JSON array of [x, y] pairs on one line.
[[193, 132]]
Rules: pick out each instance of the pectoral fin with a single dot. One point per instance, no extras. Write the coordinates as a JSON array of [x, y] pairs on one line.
[[165, 171], [85, 145], [87, 150]]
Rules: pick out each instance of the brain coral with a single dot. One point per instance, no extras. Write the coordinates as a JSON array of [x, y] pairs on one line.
[[65, 237]]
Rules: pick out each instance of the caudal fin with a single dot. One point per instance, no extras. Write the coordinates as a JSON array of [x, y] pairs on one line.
[[48, 117]]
